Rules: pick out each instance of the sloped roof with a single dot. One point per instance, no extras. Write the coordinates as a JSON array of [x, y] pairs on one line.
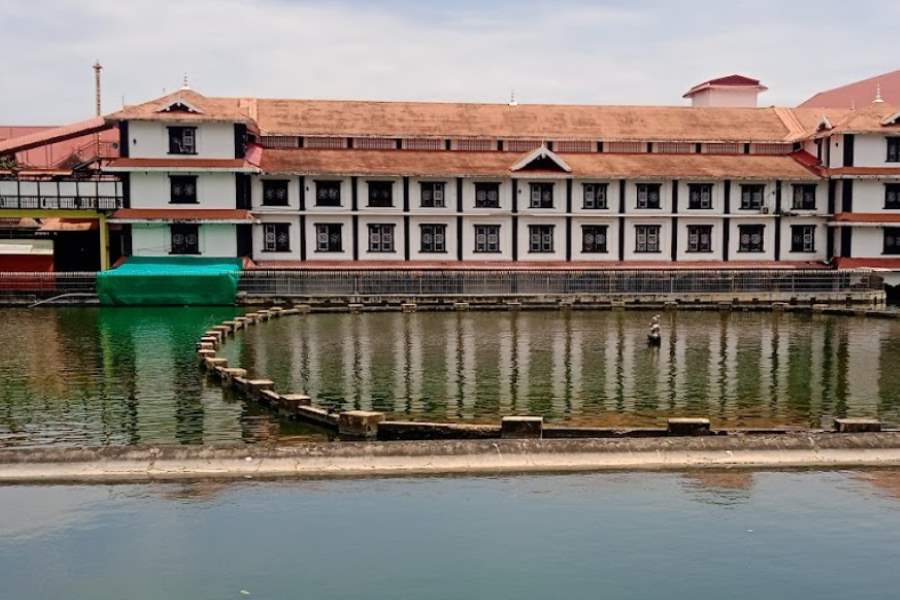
[[859, 93], [500, 164], [206, 108], [52, 135], [200, 215], [870, 118]]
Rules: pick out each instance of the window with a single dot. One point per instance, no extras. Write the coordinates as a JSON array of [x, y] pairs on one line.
[[700, 196], [540, 238], [892, 240], [648, 195], [541, 195], [182, 140], [277, 237], [750, 238], [752, 197], [893, 149], [487, 195], [434, 238], [328, 193], [381, 238], [594, 195], [803, 238], [805, 197], [275, 192], [646, 238], [699, 238], [487, 238], [381, 194], [593, 239], [183, 189], [328, 237], [432, 194], [892, 195], [185, 238]]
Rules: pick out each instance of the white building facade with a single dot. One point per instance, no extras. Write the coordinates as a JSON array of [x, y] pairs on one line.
[[292, 184]]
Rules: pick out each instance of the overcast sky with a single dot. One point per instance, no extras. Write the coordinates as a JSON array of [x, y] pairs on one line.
[[637, 52]]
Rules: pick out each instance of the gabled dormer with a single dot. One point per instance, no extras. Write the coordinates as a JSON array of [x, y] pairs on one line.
[[542, 159], [179, 105]]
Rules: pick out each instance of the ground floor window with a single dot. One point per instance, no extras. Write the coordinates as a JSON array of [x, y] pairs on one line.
[[699, 238], [277, 237], [750, 238], [803, 238], [328, 237], [892, 195], [433, 238], [646, 238], [487, 238], [892, 240], [540, 238], [381, 238], [185, 238], [593, 239]]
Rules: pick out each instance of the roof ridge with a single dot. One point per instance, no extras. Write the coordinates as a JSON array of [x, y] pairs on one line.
[[791, 122]]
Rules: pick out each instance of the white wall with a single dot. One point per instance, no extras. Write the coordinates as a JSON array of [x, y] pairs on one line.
[[363, 194], [149, 139], [821, 239], [665, 240], [716, 96], [259, 233], [256, 193], [768, 240], [155, 240], [665, 198], [716, 239], [871, 151], [559, 196], [468, 237], [787, 198], [415, 238], [364, 222], [612, 196], [868, 195], [718, 197], [346, 237], [867, 242], [309, 183], [505, 196], [153, 190], [559, 239], [415, 195]]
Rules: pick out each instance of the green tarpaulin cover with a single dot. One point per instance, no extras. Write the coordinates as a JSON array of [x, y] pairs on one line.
[[180, 280]]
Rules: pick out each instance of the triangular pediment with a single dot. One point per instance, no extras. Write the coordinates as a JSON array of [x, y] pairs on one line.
[[180, 105], [542, 159], [892, 119]]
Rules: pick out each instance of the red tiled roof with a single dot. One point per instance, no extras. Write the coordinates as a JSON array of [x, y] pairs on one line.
[[236, 110], [177, 163], [859, 93], [727, 81], [368, 265], [868, 119], [871, 171], [50, 136], [853, 217], [498, 164], [867, 263], [181, 214]]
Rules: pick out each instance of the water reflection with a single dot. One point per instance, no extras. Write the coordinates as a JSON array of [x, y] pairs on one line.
[[749, 369]]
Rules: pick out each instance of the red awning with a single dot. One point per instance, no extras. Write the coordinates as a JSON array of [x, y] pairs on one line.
[[171, 215], [69, 225]]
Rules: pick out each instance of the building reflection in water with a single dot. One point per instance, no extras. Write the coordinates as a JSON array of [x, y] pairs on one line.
[[740, 369]]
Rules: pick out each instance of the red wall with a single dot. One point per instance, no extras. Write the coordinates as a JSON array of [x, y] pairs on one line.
[[26, 263]]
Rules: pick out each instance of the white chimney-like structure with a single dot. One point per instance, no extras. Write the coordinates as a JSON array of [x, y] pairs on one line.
[[732, 90]]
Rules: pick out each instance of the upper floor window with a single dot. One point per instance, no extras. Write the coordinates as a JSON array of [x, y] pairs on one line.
[[893, 149], [646, 238], [593, 239], [892, 195], [699, 238], [487, 238], [540, 238], [433, 238], [752, 196], [381, 237], [275, 192], [328, 237], [700, 196], [277, 237], [381, 194], [541, 195], [182, 140], [892, 240], [750, 238], [648, 195], [328, 193], [432, 194], [487, 195], [183, 189], [594, 195], [185, 238], [803, 238], [805, 196]]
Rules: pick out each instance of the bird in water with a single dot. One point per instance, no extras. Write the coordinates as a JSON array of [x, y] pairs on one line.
[[654, 338]]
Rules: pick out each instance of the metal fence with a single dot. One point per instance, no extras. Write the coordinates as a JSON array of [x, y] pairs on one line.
[[462, 284], [552, 283]]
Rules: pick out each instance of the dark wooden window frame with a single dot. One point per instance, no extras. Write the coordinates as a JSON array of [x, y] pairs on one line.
[[803, 238], [328, 192], [891, 240], [648, 196], [433, 194], [183, 189], [540, 194], [182, 140], [893, 149], [487, 194], [753, 196], [699, 239], [892, 196], [594, 239], [700, 196], [540, 238], [594, 196], [381, 238], [273, 189], [483, 235], [433, 238], [650, 242], [381, 194], [184, 239], [746, 245], [276, 237], [332, 232], [803, 193]]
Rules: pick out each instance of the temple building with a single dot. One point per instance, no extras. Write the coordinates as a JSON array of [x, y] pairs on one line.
[[326, 184]]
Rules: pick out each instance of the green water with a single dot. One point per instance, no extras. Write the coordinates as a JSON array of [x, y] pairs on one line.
[[735, 535], [119, 376]]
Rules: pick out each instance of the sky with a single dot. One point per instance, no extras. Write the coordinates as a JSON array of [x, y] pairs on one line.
[[568, 51]]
